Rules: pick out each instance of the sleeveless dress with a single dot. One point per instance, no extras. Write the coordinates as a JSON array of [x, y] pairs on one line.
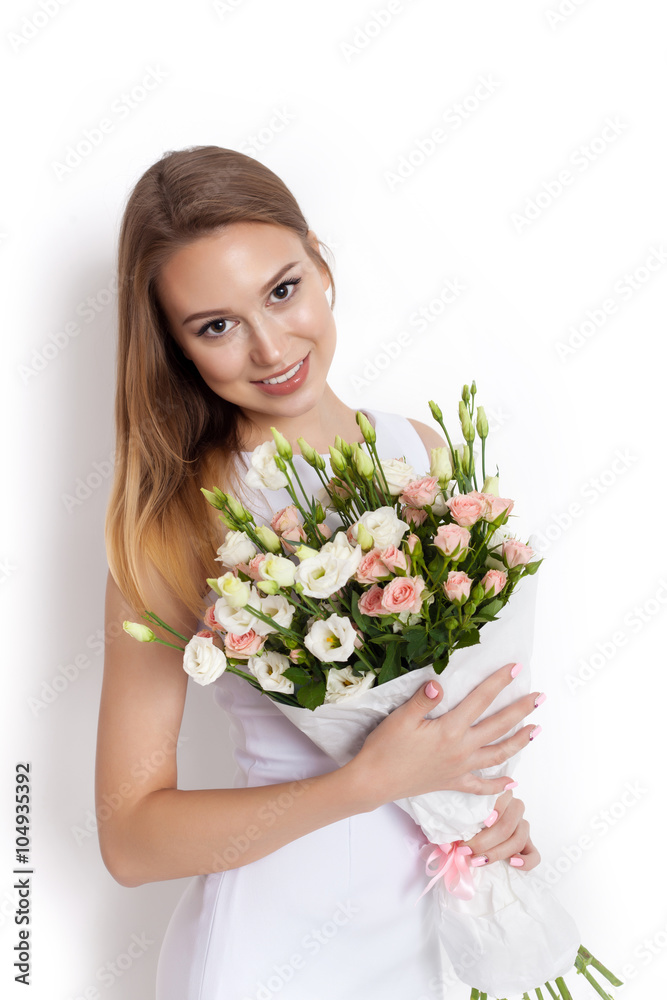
[[330, 915]]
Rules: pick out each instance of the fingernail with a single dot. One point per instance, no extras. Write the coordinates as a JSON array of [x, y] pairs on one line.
[[466, 850], [516, 669], [431, 690], [510, 784], [479, 861], [536, 731], [491, 818], [516, 861], [540, 698]]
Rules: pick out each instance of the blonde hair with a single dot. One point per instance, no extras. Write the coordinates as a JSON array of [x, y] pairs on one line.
[[173, 433]]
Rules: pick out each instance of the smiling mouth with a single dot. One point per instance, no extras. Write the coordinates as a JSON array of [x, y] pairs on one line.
[[276, 379]]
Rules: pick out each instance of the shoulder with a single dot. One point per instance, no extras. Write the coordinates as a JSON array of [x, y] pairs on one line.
[[430, 437]]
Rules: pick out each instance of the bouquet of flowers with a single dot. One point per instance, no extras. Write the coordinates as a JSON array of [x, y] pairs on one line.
[[351, 626]]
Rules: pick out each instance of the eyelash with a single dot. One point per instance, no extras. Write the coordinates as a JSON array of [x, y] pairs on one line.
[[202, 331]]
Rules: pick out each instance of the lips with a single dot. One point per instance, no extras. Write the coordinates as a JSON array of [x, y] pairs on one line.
[[283, 371]]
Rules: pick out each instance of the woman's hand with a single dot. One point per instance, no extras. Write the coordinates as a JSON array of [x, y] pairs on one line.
[[506, 838], [408, 754]]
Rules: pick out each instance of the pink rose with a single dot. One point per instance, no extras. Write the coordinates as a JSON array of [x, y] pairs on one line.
[[205, 634], [420, 492], [324, 529], [403, 594], [393, 558], [450, 537], [493, 582], [370, 602], [498, 505], [412, 515], [243, 646], [466, 508], [516, 553], [372, 568], [291, 537], [294, 654], [251, 569], [411, 541], [457, 586], [210, 620], [285, 519]]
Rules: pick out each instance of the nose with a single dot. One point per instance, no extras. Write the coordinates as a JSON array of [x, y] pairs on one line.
[[269, 344]]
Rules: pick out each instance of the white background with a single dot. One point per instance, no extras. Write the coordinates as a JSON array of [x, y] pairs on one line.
[[338, 98]]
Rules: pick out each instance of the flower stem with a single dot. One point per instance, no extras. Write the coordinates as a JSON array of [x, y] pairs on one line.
[[588, 959], [150, 615], [171, 644], [565, 993]]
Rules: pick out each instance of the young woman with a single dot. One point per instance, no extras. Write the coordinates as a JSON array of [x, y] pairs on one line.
[[304, 874]]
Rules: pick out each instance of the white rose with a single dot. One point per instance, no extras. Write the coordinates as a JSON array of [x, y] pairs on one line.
[[202, 660], [278, 608], [343, 684], [236, 548], [263, 470], [239, 620], [233, 590], [323, 574], [331, 640], [277, 568], [397, 473], [439, 507], [269, 668], [384, 526]]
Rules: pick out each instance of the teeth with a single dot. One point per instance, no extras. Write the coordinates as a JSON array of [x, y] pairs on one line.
[[283, 378]]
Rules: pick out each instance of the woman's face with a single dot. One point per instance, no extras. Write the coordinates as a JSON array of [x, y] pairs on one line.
[[233, 311]]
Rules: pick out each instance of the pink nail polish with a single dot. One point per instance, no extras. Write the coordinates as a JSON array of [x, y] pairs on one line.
[[516, 861], [536, 731], [479, 861], [540, 698], [431, 690], [491, 818], [510, 784], [466, 850], [516, 669]]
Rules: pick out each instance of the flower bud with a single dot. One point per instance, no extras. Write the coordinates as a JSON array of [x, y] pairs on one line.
[[140, 632], [367, 428], [466, 423], [363, 463], [435, 410], [343, 447], [338, 463], [305, 552], [280, 462], [306, 450], [482, 423], [268, 538], [465, 395], [441, 465], [283, 447], [267, 586], [212, 498], [364, 538], [237, 509], [478, 593], [212, 581], [491, 485]]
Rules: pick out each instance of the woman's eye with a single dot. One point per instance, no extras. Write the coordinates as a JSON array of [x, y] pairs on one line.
[[216, 326], [215, 329], [282, 288]]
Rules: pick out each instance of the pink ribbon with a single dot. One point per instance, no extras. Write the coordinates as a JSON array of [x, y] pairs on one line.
[[452, 860]]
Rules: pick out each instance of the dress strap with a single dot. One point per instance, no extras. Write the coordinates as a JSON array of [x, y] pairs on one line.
[[396, 437]]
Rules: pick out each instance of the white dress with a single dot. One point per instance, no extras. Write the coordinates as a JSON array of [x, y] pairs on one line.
[[331, 915]]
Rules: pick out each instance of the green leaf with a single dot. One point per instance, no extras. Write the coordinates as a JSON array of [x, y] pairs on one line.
[[439, 665], [311, 695], [468, 639], [493, 607], [298, 675], [392, 665]]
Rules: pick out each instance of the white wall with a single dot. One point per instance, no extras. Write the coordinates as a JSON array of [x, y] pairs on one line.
[[577, 394]]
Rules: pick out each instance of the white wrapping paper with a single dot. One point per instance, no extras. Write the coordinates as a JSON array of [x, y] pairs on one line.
[[518, 932]]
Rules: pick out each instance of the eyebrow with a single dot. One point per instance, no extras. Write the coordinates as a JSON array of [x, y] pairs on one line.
[[265, 288]]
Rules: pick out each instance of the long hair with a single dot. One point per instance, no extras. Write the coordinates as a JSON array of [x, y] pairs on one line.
[[173, 433]]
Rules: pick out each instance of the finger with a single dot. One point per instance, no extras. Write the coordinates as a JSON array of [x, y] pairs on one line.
[[501, 722], [476, 785], [481, 696], [513, 845], [499, 753], [530, 856], [497, 828]]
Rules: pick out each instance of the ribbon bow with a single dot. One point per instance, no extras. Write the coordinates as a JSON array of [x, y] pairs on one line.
[[452, 867]]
